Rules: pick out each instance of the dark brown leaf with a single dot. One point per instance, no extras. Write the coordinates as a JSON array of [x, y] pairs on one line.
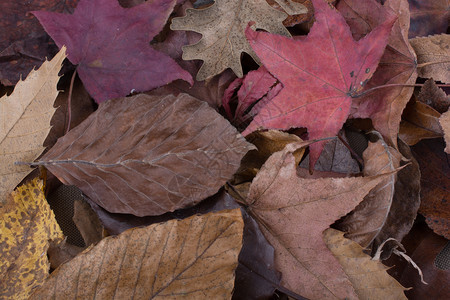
[[428, 17], [434, 96], [148, 155]]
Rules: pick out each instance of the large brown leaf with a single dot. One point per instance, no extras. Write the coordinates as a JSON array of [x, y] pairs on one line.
[[147, 155], [369, 278], [194, 258], [368, 218], [293, 212]]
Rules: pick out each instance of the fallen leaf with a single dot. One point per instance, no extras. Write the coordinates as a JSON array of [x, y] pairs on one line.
[[366, 221], [428, 17], [195, 258], [317, 89], [87, 222], [27, 225], [397, 65], [256, 277], [267, 143], [25, 122], [435, 183], [158, 154], [444, 120], [110, 44], [295, 17], [419, 121], [405, 204], [423, 246], [222, 26], [255, 85], [293, 212], [434, 96], [368, 277], [24, 44], [433, 56]]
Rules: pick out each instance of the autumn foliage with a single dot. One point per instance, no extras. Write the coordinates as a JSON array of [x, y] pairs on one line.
[[307, 157]]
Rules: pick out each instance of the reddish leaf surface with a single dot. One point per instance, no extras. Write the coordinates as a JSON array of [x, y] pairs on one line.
[[110, 44], [23, 42], [157, 154], [320, 74], [397, 65]]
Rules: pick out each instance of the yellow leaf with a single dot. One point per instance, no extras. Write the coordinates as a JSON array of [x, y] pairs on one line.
[[193, 258], [27, 224], [368, 277], [25, 122]]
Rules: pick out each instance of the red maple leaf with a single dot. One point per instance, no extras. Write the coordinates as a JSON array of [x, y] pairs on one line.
[[320, 74], [111, 46]]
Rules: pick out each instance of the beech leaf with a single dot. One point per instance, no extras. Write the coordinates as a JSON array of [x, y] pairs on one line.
[[320, 74], [433, 53], [25, 122], [222, 26], [293, 212], [110, 45], [369, 278], [148, 154], [27, 225], [194, 258]]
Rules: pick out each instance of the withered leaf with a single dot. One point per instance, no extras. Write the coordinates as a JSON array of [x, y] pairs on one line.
[[293, 212], [428, 17], [222, 26], [364, 223], [434, 96], [25, 122], [194, 258], [368, 277], [148, 154], [433, 56], [419, 121], [444, 120], [27, 225]]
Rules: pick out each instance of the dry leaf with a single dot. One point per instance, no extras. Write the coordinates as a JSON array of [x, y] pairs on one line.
[[25, 122], [293, 212], [419, 121], [444, 120], [434, 96], [368, 277], [222, 26], [433, 56], [147, 155], [193, 258], [27, 225], [87, 222], [367, 219]]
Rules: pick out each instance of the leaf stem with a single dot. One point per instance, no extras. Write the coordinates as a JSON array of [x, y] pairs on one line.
[[432, 63]]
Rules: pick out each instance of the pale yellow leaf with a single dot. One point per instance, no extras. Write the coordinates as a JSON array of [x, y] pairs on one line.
[[368, 277], [193, 258], [27, 225], [25, 122]]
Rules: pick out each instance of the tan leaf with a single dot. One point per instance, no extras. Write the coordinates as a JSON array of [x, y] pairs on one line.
[[433, 56], [434, 96], [419, 121], [148, 154], [368, 277], [223, 28], [27, 225], [368, 218], [25, 122], [444, 120], [293, 212], [193, 258]]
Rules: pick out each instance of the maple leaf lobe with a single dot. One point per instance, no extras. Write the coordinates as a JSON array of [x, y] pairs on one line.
[[110, 44], [320, 74]]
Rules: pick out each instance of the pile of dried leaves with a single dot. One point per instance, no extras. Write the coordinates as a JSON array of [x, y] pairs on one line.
[[303, 168]]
